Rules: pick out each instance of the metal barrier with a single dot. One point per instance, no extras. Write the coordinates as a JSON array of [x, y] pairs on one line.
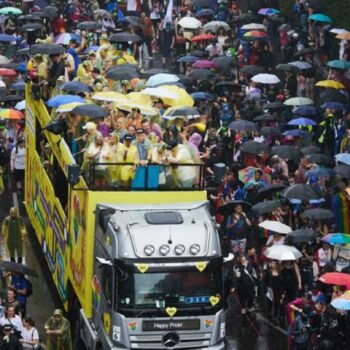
[[148, 177]]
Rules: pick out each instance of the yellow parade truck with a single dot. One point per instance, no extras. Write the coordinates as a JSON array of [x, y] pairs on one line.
[[135, 268]]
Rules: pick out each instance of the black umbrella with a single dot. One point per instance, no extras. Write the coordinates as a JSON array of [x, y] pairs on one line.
[[317, 214], [227, 209], [253, 147], [223, 62], [30, 17], [265, 207], [286, 152], [343, 171], [305, 51], [320, 159], [252, 70], [52, 11], [247, 18], [227, 86], [300, 192], [11, 98], [265, 118], [332, 95], [201, 74], [270, 131], [124, 37], [301, 236], [310, 150], [274, 105], [134, 21], [201, 3], [75, 86], [243, 125], [198, 53], [46, 49], [153, 71], [185, 80], [189, 112], [31, 27], [287, 68], [90, 110], [270, 190], [122, 74], [16, 267], [88, 25]]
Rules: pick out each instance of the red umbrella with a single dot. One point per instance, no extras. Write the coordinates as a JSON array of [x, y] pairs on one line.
[[337, 278], [202, 37], [204, 64], [5, 72]]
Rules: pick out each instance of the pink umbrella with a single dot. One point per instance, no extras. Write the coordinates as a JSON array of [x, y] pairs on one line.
[[204, 64]]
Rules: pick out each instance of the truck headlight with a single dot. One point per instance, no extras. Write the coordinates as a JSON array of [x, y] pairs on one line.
[[164, 249], [149, 249], [194, 249], [179, 249]]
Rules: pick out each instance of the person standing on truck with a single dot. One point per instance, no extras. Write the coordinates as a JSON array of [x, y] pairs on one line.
[[58, 332], [14, 233]]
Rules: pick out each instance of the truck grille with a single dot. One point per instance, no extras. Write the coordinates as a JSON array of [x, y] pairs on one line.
[[154, 341]]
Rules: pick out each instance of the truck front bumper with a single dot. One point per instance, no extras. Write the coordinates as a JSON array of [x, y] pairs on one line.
[[220, 346]]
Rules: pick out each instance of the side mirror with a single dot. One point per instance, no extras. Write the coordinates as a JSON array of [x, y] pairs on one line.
[[103, 218], [73, 174], [228, 258]]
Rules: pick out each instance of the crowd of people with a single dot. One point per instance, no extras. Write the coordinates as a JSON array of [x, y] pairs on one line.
[[249, 103]]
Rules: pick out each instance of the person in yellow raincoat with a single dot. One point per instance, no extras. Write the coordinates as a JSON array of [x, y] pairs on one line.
[[127, 153], [14, 233], [58, 332]]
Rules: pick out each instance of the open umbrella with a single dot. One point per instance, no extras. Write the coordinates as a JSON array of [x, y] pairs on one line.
[[153, 71], [11, 98], [161, 78], [4, 60], [338, 64], [202, 37], [246, 18], [18, 86], [331, 84], [295, 133], [20, 106], [5, 72], [343, 158], [201, 3], [110, 96], [253, 35], [227, 86], [122, 74], [320, 17], [31, 27], [307, 111], [253, 147], [252, 70], [46, 49], [275, 226], [332, 95], [269, 191], [189, 23], [68, 107], [286, 67], [214, 26], [10, 11], [59, 100], [300, 192], [124, 37], [75, 86], [343, 171], [302, 65], [302, 122], [300, 236], [247, 176], [317, 214], [184, 98], [65, 38], [334, 105], [298, 101], [342, 302], [310, 150], [16, 267], [202, 96], [268, 11], [320, 159], [160, 92], [201, 74], [243, 125], [254, 26], [187, 59], [265, 78], [205, 13], [8, 113], [265, 118], [88, 25], [265, 207], [228, 208], [306, 51], [345, 35], [204, 64], [7, 38], [336, 238], [286, 152], [274, 105], [282, 253], [336, 278], [185, 112], [90, 110], [270, 131], [320, 172]]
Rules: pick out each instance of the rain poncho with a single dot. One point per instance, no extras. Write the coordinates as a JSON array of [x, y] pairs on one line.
[[59, 342]]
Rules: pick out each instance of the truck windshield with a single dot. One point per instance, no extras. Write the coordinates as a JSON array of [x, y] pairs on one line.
[[184, 288]]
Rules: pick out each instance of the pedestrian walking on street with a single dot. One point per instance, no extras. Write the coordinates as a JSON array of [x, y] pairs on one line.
[[9, 341], [14, 233]]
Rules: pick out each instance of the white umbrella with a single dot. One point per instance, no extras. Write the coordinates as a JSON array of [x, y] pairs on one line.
[[161, 78], [189, 23], [338, 31], [275, 226], [283, 253], [20, 106], [264, 78], [254, 26], [215, 25], [301, 64], [160, 92], [298, 101]]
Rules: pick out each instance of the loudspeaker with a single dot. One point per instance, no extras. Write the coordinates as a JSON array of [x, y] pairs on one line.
[[219, 172], [73, 174]]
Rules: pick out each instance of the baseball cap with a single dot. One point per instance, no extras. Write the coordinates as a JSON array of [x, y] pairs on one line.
[[127, 137], [140, 131], [58, 312], [7, 327], [90, 126]]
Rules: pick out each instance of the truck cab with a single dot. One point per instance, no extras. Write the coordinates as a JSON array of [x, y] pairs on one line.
[[157, 280]]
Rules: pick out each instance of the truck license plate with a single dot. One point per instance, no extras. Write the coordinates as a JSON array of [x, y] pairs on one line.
[[171, 325]]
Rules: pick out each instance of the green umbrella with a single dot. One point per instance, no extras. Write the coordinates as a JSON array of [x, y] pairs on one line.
[[10, 10], [320, 17], [338, 64]]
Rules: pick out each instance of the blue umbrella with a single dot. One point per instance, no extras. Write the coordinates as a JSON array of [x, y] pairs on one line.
[[204, 12], [161, 78], [75, 86], [320, 17], [302, 122], [343, 158], [91, 48], [320, 172], [334, 105], [306, 111], [188, 59], [22, 67], [340, 303], [338, 64], [197, 96], [295, 133], [57, 101], [7, 38], [19, 86]]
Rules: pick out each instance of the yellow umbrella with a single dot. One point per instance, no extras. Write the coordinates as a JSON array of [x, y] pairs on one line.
[[184, 98], [68, 107], [343, 36], [330, 84], [144, 108], [109, 96], [139, 98]]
